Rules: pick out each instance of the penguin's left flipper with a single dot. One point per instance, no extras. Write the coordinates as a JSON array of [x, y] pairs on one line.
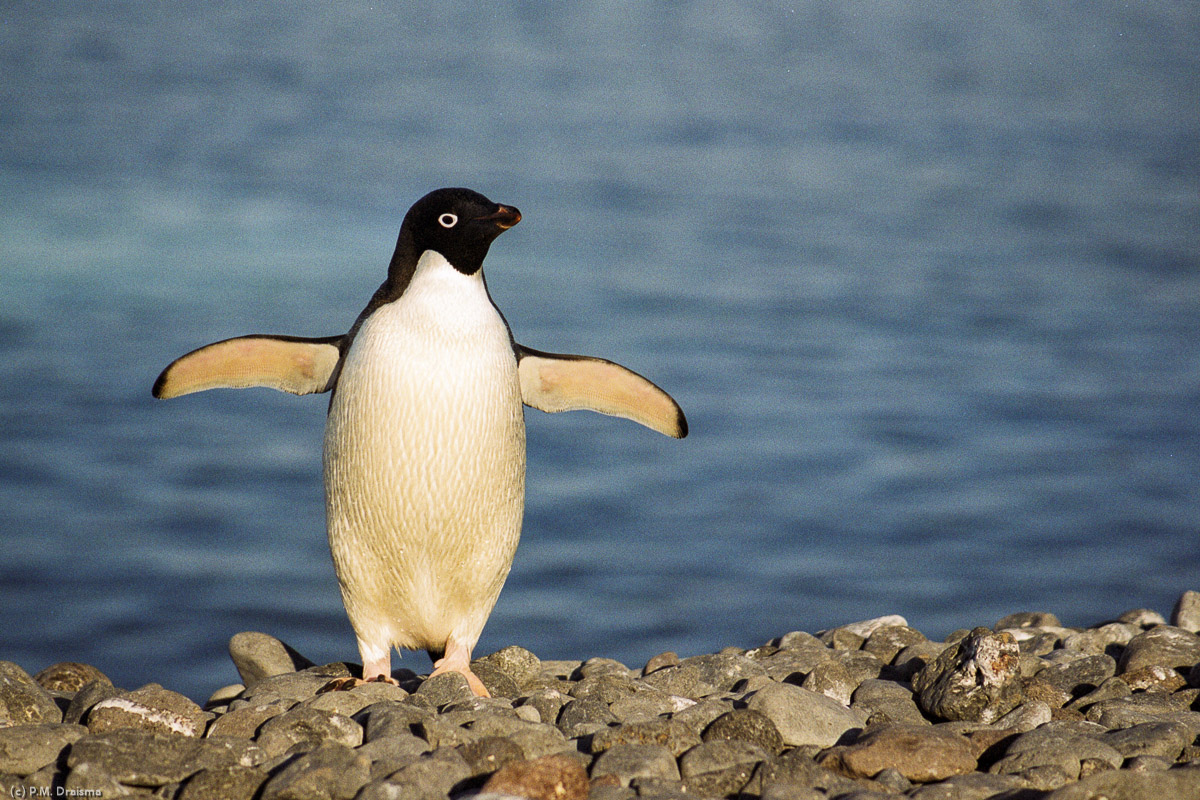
[[287, 363], [556, 382]]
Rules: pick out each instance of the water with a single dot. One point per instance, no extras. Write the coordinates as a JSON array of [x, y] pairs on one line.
[[925, 280]]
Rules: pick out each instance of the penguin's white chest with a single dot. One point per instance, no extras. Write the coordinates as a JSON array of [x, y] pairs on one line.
[[425, 463]]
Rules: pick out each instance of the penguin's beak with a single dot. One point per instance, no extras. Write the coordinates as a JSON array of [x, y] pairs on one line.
[[505, 217]]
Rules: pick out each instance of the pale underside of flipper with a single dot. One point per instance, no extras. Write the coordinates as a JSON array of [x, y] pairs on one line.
[[287, 363], [555, 382]]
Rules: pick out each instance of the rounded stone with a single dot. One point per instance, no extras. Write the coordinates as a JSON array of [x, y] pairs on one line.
[[976, 679], [260, 655], [553, 777], [22, 700], [1163, 646], [25, 749], [745, 725], [803, 717], [150, 708], [627, 762], [920, 753], [69, 677]]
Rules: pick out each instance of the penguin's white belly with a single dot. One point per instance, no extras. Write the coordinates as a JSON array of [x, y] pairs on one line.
[[425, 464]]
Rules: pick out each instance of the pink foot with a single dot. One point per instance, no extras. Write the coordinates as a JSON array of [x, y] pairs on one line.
[[457, 658]]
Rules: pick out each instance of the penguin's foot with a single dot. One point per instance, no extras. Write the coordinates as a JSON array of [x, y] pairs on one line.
[[346, 684], [457, 658]]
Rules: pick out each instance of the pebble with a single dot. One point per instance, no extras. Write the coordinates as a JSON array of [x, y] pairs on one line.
[[976, 679], [1186, 614], [804, 717], [921, 754], [867, 710]]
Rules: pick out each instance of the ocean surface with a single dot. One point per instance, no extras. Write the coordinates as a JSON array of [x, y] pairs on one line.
[[924, 277]]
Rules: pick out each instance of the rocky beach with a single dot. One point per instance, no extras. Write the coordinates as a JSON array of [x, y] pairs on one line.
[[1027, 708]]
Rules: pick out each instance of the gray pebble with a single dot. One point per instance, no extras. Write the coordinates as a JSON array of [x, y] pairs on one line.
[[587, 711], [793, 774], [259, 655], [1103, 639], [595, 667], [1027, 619], [1183, 784], [720, 767], [1164, 646], [1186, 614], [444, 689], [667, 659], [887, 701], [669, 733], [22, 700], [1142, 617], [909, 661], [82, 702], [384, 719], [390, 753], [294, 686], [627, 762], [69, 677], [136, 757], [150, 708], [886, 642], [1163, 739], [977, 679], [1080, 675], [976, 786], [541, 739], [745, 725], [442, 733], [25, 749], [308, 726], [683, 680], [224, 783], [919, 753], [488, 754], [1062, 745], [245, 720], [330, 772], [520, 665], [436, 773], [803, 717], [723, 670]]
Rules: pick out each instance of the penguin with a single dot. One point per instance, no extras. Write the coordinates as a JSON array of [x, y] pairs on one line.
[[424, 449]]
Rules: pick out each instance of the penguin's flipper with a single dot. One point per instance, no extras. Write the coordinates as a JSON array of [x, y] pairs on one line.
[[556, 382], [286, 363]]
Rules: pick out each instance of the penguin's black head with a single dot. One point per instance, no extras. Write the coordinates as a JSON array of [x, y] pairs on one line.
[[457, 223]]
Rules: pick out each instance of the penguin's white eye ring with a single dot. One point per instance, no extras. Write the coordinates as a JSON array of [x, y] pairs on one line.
[[447, 220]]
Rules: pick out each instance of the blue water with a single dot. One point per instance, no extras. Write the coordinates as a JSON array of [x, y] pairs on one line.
[[925, 278]]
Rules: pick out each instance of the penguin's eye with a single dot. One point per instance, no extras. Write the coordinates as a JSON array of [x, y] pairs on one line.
[[447, 220]]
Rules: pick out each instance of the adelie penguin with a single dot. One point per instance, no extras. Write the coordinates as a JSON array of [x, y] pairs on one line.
[[424, 455]]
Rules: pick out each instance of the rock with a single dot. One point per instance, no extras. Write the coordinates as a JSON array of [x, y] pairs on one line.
[[793, 664], [1163, 646], [919, 753], [151, 708], [259, 655], [720, 767], [330, 772], [645, 704], [1142, 617], [489, 753], [309, 726], [380, 720], [1098, 641], [1186, 613], [22, 700], [293, 686], [977, 679], [1183, 784], [886, 641], [223, 783], [723, 670], [1025, 717], [244, 722], [667, 659], [794, 775], [588, 711], [86, 698], [548, 702], [440, 732], [520, 665], [1080, 676], [627, 762], [1157, 679], [912, 659], [1062, 745], [1164, 739], [497, 682], [540, 739], [745, 725], [1027, 619], [887, 701], [803, 717], [668, 733], [444, 689], [976, 786], [867, 627], [595, 667], [24, 749], [435, 774], [554, 777], [682, 679], [69, 677], [137, 757]]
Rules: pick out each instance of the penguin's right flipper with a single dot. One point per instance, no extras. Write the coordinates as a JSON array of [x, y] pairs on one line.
[[287, 363]]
